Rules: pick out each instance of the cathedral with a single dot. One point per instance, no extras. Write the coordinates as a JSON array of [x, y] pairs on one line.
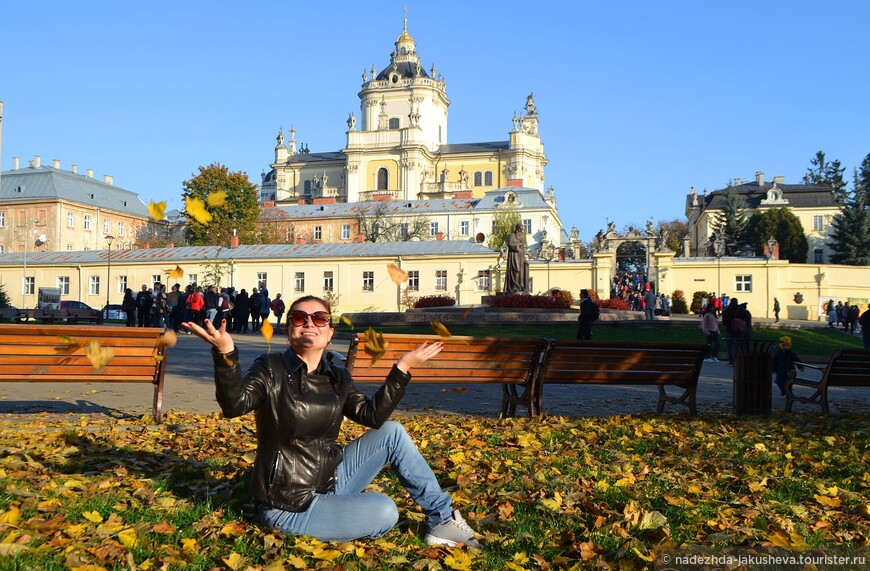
[[398, 149]]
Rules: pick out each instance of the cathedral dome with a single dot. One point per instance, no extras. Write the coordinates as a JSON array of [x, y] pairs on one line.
[[401, 70]]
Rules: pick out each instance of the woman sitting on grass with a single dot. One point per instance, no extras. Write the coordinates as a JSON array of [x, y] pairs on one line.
[[304, 483]]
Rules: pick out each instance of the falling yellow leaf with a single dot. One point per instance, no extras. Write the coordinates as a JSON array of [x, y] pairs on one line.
[[266, 330], [467, 312], [175, 274], [70, 344], [196, 210], [168, 339], [156, 210], [217, 199], [375, 346], [439, 328], [97, 355], [346, 320], [397, 274]]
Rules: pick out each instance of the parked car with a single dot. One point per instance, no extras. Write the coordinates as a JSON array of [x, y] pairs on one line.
[[116, 313], [79, 311]]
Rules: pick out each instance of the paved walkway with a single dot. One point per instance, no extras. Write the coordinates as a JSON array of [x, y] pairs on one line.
[[190, 387]]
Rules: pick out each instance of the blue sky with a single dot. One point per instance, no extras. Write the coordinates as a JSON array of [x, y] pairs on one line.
[[638, 101]]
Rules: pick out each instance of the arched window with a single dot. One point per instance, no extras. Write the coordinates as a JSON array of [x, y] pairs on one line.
[[478, 178], [394, 123], [487, 179], [383, 179]]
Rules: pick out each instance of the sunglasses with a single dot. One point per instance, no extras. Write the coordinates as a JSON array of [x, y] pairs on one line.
[[319, 318]]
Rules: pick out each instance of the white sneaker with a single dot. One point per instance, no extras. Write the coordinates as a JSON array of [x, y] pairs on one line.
[[451, 532]]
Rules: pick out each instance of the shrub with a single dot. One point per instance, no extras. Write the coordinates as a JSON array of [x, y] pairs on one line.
[[696, 301], [525, 300], [615, 303], [565, 295], [678, 302], [434, 301]]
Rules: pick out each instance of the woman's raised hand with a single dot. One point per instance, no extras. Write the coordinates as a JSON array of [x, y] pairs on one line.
[[217, 338], [419, 355]]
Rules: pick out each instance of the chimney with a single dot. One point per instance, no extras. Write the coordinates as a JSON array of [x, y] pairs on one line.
[[90, 173], [73, 169], [737, 182], [55, 164], [107, 178], [234, 240], [37, 161], [15, 163], [759, 178], [779, 180]]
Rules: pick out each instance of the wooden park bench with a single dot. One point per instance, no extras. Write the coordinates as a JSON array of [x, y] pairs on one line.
[[58, 354], [846, 368], [620, 363], [11, 315], [513, 363]]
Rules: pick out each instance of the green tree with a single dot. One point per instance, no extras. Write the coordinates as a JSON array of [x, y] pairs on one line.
[[782, 225], [239, 212], [674, 231], [850, 234], [731, 223], [4, 297], [504, 221], [824, 173]]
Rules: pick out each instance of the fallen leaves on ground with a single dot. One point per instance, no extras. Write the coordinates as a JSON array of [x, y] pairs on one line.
[[551, 493]]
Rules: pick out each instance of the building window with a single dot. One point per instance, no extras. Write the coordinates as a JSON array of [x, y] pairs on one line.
[[261, 280], [29, 285], [527, 225], [743, 283], [383, 179], [307, 187], [122, 284], [433, 228], [156, 279], [2, 248], [394, 122], [345, 231], [328, 283], [70, 219], [818, 223], [94, 285], [818, 256], [464, 228], [405, 230], [299, 282], [441, 280], [105, 226], [87, 221], [414, 280], [318, 233], [120, 230], [63, 285], [478, 178], [2, 218], [69, 247], [368, 281], [191, 279], [487, 178], [484, 280]]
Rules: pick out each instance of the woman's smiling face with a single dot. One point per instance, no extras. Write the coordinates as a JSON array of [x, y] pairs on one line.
[[309, 336]]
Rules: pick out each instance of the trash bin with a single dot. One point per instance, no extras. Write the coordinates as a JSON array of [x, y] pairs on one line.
[[753, 368]]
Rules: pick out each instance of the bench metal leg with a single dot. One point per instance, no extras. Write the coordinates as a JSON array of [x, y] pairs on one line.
[[511, 397], [686, 399]]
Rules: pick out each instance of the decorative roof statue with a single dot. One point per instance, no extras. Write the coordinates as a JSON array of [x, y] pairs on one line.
[[530, 105]]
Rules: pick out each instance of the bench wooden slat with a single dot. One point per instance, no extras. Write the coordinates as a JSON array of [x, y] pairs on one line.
[[38, 353]]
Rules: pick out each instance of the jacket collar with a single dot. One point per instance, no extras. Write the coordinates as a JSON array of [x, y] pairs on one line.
[[294, 363]]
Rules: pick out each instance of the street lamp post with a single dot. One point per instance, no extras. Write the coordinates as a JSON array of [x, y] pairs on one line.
[[719, 248], [109, 240], [549, 253]]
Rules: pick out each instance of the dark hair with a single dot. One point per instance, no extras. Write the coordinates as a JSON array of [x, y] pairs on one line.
[[584, 293]]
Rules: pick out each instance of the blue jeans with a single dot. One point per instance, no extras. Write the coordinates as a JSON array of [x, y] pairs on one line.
[[349, 513]]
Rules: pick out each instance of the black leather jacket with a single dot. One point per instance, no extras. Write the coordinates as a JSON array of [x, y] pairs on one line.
[[299, 416]]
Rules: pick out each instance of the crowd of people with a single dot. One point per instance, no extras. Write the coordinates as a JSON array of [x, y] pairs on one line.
[[243, 312], [640, 294], [843, 315]]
